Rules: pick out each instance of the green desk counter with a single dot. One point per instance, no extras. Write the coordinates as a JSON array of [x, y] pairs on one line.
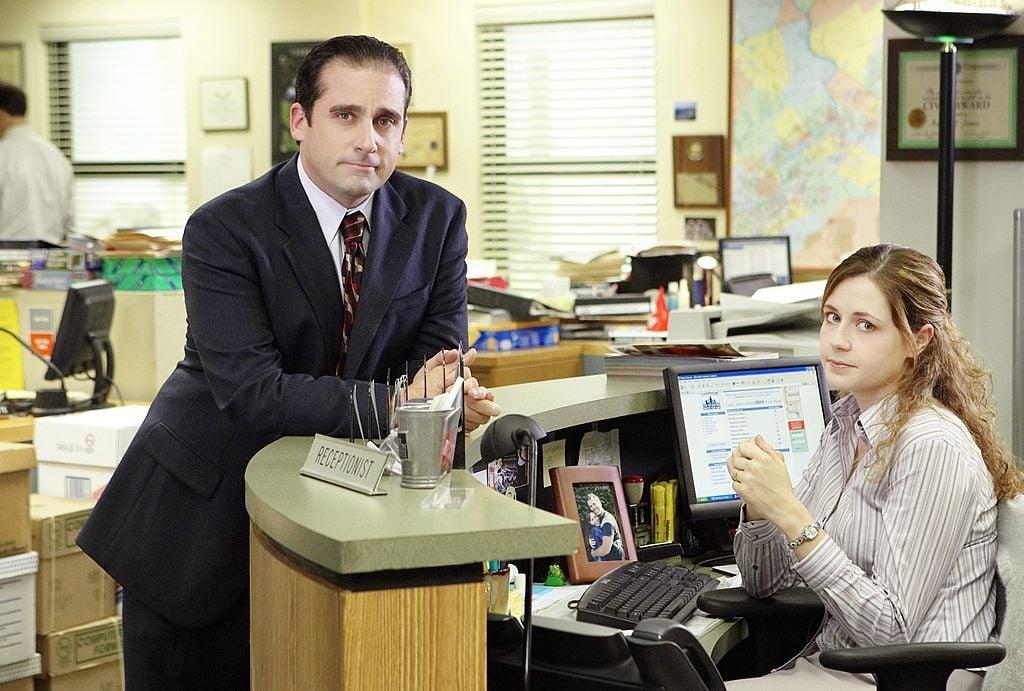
[[353, 591]]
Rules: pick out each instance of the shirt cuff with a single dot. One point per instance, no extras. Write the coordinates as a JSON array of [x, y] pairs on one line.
[[759, 531], [825, 560]]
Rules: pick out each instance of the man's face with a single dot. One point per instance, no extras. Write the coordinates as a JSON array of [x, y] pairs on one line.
[[594, 504], [352, 141]]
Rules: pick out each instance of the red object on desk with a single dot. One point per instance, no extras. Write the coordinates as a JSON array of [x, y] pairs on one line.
[[659, 320]]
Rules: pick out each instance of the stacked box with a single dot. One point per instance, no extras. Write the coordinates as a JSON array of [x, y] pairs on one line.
[[16, 460], [18, 614], [143, 273], [83, 657], [106, 677], [71, 588], [515, 336], [17, 676], [78, 452]]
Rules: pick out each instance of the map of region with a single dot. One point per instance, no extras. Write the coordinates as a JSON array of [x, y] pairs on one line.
[[807, 124]]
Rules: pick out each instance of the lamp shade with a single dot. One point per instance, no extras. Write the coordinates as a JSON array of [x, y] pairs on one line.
[[930, 24], [507, 435]]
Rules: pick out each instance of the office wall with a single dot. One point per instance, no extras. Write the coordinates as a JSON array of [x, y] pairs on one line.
[[985, 195], [232, 38]]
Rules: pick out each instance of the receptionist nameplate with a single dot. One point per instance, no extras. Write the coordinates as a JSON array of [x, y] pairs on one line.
[[350, 465]]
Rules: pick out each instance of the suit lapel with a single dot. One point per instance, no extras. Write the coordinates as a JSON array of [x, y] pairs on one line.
[[391, 243], [309, 256]]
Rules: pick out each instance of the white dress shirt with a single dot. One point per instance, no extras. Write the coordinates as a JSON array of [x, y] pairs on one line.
[[907, 558], [35, 187], [330, 212]]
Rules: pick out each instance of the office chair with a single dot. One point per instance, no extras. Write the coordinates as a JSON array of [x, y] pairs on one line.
[[916, 666], [748, 284]]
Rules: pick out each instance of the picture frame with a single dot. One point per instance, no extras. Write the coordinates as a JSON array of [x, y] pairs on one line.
[[990, 100], [284, 63], [698, 167], [12, 64], [426, 141], [224, 104], [573, 487]]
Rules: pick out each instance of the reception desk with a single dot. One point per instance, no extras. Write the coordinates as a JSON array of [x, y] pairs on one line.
[[353, 591]]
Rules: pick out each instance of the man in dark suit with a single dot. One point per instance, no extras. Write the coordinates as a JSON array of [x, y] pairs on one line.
[[264, 356]]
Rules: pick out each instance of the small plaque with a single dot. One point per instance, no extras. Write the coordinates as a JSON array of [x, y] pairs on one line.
[[353, 466]]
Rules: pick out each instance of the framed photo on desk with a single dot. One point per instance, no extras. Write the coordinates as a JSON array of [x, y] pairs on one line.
[[593, 497]]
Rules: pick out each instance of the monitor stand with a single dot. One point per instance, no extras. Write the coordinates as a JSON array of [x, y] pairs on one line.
[[51, 402]]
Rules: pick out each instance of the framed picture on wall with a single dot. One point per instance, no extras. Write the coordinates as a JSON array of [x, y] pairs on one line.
[[989, 100], [593, 497], [426, 141], [284, 63], [12, 64]]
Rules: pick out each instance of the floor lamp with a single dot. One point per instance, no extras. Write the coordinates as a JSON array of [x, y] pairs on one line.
[[948, 29]]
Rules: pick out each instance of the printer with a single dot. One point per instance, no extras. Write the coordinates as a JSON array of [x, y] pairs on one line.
[[780, 319]]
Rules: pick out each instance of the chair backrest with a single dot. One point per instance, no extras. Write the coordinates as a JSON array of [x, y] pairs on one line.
[[1009, 674]]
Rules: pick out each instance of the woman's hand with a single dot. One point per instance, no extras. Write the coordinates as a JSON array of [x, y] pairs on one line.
[[760, 477]]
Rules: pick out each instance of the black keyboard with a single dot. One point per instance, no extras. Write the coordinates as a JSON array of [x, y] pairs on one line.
[[641, 590]]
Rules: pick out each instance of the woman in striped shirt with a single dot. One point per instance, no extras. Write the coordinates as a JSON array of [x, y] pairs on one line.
[[894, 523]]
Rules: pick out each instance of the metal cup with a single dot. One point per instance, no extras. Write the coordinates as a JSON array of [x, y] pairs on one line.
[[426, 443]]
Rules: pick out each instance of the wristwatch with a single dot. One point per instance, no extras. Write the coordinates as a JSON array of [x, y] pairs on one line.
[[806, 535]]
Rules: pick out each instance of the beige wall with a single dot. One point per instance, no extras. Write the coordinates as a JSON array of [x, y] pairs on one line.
[[231, 38]]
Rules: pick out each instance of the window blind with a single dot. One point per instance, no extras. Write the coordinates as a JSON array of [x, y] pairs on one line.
[[117, 110], [567, 143]]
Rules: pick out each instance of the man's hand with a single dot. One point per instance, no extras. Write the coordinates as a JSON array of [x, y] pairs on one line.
[[440, 374]]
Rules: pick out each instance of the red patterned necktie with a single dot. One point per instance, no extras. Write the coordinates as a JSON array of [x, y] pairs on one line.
[[352, 227]]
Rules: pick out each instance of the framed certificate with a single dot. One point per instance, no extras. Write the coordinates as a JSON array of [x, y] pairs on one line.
[[426, 141], [225, 104], [988, 100]]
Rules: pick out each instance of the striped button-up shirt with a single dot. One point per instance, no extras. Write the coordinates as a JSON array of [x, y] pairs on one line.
[[908, 558]]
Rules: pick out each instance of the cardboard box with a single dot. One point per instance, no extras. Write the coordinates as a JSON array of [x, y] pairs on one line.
[[143, 273], [18, 614], [94, 437], [14, 676], [81, 647], [71, 588], [72, 481], [23, 684], [16, 460], [108, 677], [515, 336]]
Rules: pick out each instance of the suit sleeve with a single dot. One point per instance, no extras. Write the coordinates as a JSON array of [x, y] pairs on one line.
[[229, 281], [444, 324]]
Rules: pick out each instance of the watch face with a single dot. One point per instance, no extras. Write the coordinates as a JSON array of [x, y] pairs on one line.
[[811, 532]]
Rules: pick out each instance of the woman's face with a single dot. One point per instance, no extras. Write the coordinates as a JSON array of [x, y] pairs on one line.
[[862, 348]]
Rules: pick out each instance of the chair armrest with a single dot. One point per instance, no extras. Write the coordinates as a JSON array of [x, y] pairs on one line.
[[736, 602], [880, 658], [916, 666]]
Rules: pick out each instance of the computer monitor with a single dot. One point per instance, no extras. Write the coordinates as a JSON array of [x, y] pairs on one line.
[[82, 345], [717, 404], [756, 255]]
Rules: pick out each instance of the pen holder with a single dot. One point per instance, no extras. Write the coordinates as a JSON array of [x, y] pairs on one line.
[[426, 443]]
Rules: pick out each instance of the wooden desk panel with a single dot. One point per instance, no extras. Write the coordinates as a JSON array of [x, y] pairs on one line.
[[528, 365]]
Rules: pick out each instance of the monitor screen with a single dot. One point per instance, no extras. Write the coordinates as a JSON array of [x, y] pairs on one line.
[[82, 345], [717, 404], [756, 255]]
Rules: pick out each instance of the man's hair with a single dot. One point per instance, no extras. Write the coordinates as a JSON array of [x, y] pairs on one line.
[[357, 51], [12, 99]]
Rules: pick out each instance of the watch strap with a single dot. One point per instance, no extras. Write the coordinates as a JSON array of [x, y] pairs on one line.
[[813, 529]]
